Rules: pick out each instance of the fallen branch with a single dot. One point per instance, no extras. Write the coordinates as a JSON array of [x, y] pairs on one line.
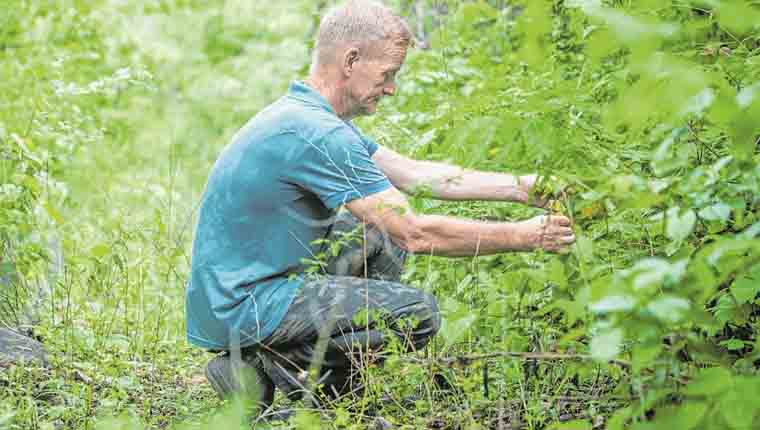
[[466, 360]]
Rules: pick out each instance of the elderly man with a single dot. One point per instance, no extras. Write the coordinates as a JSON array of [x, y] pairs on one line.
[[272, 200]]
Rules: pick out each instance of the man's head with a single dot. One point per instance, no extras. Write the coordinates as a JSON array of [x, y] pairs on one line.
[[360, 47]]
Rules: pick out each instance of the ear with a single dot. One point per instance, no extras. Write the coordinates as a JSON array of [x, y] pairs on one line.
[[350, 57]]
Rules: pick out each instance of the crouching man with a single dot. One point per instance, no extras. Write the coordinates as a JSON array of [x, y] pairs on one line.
[[272, 199]]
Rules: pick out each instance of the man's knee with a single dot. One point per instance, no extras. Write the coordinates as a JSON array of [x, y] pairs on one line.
[[433, 321], [423, 320]]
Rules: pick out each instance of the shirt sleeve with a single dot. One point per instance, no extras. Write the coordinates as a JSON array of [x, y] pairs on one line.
[[338, 168], [370, 143]]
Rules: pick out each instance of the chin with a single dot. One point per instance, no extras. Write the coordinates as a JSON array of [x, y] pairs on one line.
[[367, 111]]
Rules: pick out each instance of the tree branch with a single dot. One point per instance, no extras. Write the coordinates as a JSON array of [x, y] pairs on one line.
[[466, 360]]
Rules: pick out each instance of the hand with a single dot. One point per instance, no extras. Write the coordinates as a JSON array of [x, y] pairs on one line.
[[530, 194], [544, 192], [548, 232]]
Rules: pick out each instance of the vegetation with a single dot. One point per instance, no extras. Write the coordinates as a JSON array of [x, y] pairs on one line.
[[113, 112]]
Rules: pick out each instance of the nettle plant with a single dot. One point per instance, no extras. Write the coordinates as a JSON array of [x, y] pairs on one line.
[[648, 111]]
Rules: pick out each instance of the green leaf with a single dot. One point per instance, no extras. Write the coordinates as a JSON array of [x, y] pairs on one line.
[[472, 13], [572, 425], [644, 355], [709, 382], [732, 344], [738, 15], [690, 415], [606, 345], [745, 288], [584, 247], [557, 273], [685, 416], [668, 156], [680, 224], [536, 22], [307, 420], [739, 404], [457, 319], [616, 303], [657, 272], [669, 308], [728, 310], [7, 268], [716, 212], [53, 212], [618, 419], [100, 250], [31, 183]]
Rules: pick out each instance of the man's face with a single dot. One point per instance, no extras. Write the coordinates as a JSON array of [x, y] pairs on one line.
[[374, 77]]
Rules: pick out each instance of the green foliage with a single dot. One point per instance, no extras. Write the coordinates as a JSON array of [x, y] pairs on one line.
[[41, 127], [104, 104], [113, 111], [644, 108]]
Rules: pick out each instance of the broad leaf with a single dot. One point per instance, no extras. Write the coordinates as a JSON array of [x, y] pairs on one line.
[[607, 344], [680, 223]]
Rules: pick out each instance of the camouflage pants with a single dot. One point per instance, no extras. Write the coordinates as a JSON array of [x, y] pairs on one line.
[[338, 318]]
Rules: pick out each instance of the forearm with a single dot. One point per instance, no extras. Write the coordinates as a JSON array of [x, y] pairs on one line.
[[447, 182], [453, 237]]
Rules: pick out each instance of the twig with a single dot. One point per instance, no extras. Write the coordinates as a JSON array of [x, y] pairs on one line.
[[485, 381], [699, 141], [466, 360]]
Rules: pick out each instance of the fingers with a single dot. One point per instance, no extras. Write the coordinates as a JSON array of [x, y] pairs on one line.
[[559, 220], [559, 239], [554, 232], [559, 243], [563, 231]]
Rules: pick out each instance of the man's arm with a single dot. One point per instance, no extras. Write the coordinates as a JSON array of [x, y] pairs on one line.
[[446, 182], [453, 237]]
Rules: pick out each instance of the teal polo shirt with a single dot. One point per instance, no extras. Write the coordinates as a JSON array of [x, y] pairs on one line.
[[272, 192]]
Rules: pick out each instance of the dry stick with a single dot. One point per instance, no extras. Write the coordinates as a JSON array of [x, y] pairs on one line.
[[465, 360]]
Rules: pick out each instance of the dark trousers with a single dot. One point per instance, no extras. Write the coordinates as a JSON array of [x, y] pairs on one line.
[[340, 317]]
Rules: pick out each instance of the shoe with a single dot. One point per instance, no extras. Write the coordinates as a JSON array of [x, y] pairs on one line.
[[225, 377]]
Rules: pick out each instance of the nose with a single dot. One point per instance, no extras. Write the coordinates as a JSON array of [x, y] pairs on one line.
[[390, 89]]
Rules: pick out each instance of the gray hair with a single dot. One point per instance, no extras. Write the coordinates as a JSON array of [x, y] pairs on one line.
[[360, 22]]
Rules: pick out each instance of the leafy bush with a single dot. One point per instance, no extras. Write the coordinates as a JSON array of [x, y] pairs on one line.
[[649, 110]]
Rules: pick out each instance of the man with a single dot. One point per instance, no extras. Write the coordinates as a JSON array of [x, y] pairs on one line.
[[271, 200]]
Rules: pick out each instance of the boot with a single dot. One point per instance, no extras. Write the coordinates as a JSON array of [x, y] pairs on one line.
[[225, 376]]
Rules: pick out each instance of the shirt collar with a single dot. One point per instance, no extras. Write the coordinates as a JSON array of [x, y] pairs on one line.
[[299, 90]]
